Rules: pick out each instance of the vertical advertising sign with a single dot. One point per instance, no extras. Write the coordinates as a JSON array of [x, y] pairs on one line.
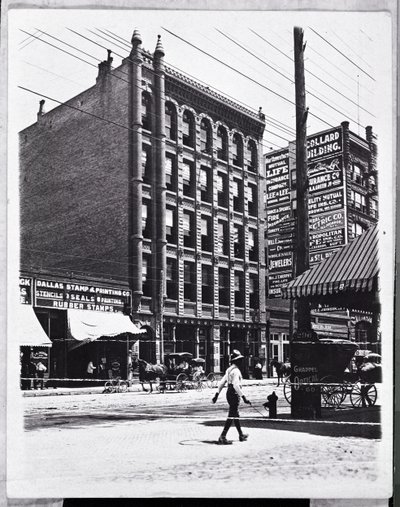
[[280, 235]]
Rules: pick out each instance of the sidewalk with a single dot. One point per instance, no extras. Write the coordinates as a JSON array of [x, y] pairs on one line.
[[135, 387]]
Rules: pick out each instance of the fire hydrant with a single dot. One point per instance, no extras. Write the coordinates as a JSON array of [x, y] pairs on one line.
[[271, 405]]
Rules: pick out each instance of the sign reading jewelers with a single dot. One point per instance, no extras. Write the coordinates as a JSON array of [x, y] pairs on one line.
[[67, 295]]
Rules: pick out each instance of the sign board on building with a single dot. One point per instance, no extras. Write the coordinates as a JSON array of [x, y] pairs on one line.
[[25, 290], [327, 213], [67, 295]]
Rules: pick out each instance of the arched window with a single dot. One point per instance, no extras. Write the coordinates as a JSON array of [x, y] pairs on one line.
[[188, 129], [237, 150], [205, 136], [146, 111], [222, 143], [170, 121], [252, 156]]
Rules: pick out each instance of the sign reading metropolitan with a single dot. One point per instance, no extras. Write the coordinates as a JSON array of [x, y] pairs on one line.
[[67, 296]]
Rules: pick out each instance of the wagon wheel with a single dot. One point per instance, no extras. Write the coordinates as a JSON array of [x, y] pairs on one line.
[[333, 395], [123, 386], [363, 395], [181, 382], [211, 380], [109, 386], [287, 389]]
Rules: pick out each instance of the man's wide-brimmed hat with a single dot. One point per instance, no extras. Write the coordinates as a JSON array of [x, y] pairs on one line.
[[236, 355]]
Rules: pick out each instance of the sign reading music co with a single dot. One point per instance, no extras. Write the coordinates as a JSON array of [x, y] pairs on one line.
[[68, 295]]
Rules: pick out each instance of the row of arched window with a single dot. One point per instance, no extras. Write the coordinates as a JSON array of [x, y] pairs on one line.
[[206, 134]]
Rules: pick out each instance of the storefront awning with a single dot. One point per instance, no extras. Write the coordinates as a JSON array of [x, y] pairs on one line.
[[87, 326], [30, 331], [354, 268]]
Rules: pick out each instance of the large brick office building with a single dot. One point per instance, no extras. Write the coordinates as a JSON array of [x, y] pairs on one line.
[[149, 186], [343, 203]]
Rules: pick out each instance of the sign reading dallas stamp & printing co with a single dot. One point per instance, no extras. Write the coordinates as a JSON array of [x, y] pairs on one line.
[[68, 295]]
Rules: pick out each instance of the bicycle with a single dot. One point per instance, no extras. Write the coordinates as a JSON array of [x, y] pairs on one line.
[[115, 385]]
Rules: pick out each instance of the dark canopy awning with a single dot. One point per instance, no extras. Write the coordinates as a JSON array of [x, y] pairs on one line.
[[352, 269]]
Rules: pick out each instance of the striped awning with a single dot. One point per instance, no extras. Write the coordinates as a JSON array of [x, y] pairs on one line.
[[353, 268]]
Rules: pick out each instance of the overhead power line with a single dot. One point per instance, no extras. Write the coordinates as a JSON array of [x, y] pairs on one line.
[[243, 75], [340, 52], [314, 75]]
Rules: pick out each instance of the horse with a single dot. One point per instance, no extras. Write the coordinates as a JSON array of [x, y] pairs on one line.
[[282, 369], [149, 372]]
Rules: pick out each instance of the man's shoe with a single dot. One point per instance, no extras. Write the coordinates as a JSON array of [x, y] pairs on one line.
[[243, 437], [224, 441]]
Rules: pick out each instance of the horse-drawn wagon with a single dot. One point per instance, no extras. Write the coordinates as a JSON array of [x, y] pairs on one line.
[[332, 357]]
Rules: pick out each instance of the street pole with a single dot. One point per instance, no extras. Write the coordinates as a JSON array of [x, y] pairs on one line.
[[302, 233], [306, 399]]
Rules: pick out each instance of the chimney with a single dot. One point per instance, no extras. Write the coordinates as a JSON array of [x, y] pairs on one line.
[[41, 111], [105, 66]]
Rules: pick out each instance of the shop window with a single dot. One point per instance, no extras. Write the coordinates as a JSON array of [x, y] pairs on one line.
[[252, 159], [239, 289], [253, 245], [237, 191], [206, 283], [205, 184], [146, 220], [224, 286], [222, 187], [170, 172], [223, 238], [188, 128], [222, 144], [146, 164], [172, 279], [238, 241], [189, 281], [206, 233], [146, 275], [189, 187], [237, 150], [146, 111], [252, 201], [205, 136], [253, 291], [171, 228], [189, 231], [170, 121]]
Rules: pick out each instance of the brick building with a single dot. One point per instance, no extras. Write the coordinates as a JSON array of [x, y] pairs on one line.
[[152, 184], [343, 203]]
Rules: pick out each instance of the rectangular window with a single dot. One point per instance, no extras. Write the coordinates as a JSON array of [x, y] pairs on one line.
[[206, 284], [252, 200], [239, 289], [223, 197], [253, 250], [146, 275], [223, 283], [223, 244], [189, 281], [237, 195], [170, 172], [172, 277], [206, 233], [171, 232], [146, 220], [253, 291], [188, 180], [189, 233], [238, 241]]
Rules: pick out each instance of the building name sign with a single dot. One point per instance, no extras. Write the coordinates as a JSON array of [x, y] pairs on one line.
[[324, 144], [66, 295]]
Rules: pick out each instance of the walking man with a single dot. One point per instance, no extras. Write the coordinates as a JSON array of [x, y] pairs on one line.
[[233, 377]]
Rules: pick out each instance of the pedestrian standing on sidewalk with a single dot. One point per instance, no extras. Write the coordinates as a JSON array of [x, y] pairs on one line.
[[233, 377], [90, 369]]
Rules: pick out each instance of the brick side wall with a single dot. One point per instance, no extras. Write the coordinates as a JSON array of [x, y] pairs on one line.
[[74, 185]]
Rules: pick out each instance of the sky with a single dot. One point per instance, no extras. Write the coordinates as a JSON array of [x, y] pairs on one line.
[[347, 59]]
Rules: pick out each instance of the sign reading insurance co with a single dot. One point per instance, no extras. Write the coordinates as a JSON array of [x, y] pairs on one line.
[[68, 295]]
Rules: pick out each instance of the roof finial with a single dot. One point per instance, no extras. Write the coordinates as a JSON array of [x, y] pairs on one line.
[[159, 47], [136, 38]]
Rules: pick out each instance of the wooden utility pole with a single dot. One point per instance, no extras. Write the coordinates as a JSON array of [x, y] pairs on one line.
[[302, 236]]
